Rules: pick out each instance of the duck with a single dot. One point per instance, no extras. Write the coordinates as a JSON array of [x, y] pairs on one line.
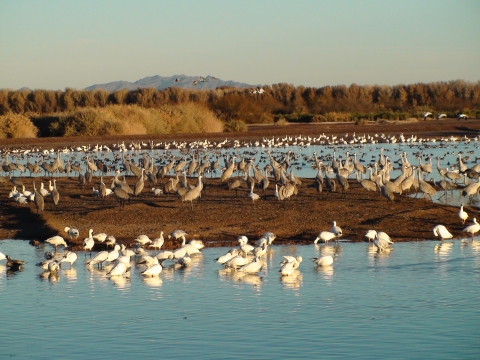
[[13, 264]]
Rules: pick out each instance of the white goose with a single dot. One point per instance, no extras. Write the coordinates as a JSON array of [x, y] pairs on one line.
[[336, 229], [224, 258], [142, 239], [441, 230], [72, 232], [56, 241], [462, 214], [153, 270], [158, 242], [119, 269], [88, 243], [326, 260], [69, 257], [253, 267], [473, 229], [324, 236]]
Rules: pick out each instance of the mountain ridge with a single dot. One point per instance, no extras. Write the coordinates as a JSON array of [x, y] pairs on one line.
[[162, 82]]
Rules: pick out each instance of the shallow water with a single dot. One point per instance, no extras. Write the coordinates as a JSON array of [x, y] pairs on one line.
[[417, 301]]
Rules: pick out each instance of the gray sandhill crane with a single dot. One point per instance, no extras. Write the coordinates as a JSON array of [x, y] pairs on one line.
[[216, 165], [194, 193], [184, 183], [181, 164], [264, 182], [452, 175], [228, 172], [461, 165], [343, 182], [471, 189], [55, 194], [427, 168], [359, 167], [121, 195], [139, 185], [38, 200], [192, 166], [330, 184], [445, 185], [366, 184], [102, 188], [234, 185], [88, 176], [425, 187], [442, 171], [91, 165], [408, 182]]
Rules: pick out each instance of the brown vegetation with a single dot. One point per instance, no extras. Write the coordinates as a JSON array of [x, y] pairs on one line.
[[295, 104]]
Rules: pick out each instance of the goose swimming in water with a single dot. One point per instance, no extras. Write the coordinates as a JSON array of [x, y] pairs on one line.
[[153, 270], [326, 260]]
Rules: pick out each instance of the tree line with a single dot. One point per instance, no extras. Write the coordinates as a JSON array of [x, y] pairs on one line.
[[295, 103]]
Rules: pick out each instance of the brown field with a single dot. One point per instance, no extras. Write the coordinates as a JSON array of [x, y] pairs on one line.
[[219, 217]]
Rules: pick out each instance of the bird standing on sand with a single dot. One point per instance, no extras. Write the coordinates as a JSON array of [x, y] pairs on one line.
[[462, 214]]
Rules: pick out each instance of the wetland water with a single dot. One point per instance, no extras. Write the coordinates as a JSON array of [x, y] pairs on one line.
[[418, 301]]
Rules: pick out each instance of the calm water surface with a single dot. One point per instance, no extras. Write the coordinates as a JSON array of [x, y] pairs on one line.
[[415, 302]]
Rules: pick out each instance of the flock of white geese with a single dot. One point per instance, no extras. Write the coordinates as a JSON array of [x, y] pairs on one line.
[[245, 259]]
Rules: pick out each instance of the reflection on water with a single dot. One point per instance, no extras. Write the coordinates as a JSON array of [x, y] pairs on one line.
[[292, 281], [200, 303], [152, 281]]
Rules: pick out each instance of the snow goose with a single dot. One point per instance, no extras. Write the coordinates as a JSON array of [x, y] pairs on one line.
[[442, 232]]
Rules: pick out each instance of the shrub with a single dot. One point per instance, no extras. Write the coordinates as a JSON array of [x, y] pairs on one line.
[[361, 122], [16, 126], [281, 122], [235, 126], [318, 119]]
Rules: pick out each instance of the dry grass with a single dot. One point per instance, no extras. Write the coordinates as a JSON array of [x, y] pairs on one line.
[[136, 120], [16, 126]]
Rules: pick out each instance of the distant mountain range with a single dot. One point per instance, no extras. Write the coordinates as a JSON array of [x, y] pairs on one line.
[[163, 82]]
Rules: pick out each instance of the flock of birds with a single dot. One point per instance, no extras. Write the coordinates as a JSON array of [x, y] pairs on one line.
[[245, 259], [199, 159]]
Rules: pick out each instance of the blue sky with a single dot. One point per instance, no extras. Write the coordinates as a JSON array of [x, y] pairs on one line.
[[57, 44]]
